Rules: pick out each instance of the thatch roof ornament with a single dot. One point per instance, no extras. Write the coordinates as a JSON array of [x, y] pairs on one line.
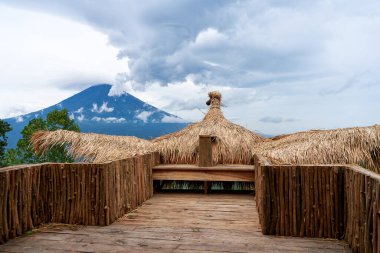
[[215, 99]]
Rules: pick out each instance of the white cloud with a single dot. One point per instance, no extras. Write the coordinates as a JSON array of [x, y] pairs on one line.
[[103, 108], [209, 38], [80, 117], [188, 99], [19, 119], [144, 115], [80, 110], [15, 110], [172, 119], [276, 120], [41, 53], [109, 119]]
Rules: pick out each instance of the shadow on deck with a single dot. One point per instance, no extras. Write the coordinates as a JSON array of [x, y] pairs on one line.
[[176, 223]]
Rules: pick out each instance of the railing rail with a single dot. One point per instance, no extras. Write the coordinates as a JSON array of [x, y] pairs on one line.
[[332, 201], [88, 194]]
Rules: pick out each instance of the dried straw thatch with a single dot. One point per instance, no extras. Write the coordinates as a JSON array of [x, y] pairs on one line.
[[359, 145], [92, 147], [233, 143]]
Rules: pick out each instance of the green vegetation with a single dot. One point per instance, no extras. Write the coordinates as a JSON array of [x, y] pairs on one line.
[[4, 128], [24, 154]]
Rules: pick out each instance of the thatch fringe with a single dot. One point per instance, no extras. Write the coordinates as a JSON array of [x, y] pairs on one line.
[[92, 147], [359, 145]]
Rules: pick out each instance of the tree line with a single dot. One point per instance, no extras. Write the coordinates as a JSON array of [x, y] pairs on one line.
[[23, 153]]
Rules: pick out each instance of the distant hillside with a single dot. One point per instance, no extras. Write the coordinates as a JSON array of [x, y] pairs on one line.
[[97, 112]]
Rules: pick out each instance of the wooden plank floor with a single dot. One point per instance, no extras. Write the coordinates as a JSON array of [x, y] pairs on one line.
[[175, 223]]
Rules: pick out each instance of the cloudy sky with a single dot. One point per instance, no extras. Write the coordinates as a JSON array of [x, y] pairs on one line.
[[282, 66]]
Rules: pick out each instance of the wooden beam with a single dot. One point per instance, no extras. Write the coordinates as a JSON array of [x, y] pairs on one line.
[[193, 167]]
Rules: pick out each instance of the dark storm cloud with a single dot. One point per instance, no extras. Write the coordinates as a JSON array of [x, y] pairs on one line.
[[230, 43], [256, 52]]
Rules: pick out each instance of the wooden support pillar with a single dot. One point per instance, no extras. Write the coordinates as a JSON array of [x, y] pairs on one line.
[[205, 187], [205, 155], [205, 151]]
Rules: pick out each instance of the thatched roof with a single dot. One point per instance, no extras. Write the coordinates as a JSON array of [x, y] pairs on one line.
[[233, 143], [359, 145], [92, 147]]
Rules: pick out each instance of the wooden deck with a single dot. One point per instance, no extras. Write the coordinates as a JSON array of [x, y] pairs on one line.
[[176, 223]]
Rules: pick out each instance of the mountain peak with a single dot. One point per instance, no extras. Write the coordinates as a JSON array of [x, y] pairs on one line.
[[100, 85], [95, 111], [100, 89]]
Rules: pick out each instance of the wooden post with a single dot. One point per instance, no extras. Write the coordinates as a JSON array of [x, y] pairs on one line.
[[205, 151], [205, 187]]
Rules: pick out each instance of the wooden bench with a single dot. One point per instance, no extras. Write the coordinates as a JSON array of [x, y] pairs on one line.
[[192, 172], [205, 170]]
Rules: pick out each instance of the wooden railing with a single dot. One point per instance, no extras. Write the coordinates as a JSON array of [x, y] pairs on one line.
[[88, 194], [332, 201]]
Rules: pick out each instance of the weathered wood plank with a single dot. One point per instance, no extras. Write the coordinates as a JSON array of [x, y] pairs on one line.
[[176, 223]]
